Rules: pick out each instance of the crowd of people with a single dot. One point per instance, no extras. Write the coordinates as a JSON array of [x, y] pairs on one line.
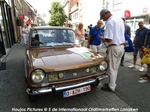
[[113, 36]]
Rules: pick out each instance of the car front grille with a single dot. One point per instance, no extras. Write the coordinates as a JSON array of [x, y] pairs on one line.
[[71, 74]]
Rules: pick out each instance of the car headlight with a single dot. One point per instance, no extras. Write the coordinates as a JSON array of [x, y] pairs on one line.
[[103, 65], [37, 76]]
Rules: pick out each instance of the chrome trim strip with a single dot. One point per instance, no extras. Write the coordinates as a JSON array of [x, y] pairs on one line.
[[75, 85], [102, 77]]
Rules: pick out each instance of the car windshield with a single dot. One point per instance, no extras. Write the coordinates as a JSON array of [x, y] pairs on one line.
[[53, 37]]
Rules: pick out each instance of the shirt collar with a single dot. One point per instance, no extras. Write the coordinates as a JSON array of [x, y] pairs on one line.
[[110, 18], [96, 28]]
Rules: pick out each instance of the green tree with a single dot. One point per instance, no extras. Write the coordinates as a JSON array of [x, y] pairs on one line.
[[58, 16]]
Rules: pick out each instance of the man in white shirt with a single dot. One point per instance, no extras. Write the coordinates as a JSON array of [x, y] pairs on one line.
[[25, 32], [114, 40]]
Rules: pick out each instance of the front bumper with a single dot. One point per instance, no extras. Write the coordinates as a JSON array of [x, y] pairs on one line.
[[55, 89]]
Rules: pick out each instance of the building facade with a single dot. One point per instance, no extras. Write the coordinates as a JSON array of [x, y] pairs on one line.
[[85, 11], [66, 7], [11, 23], [74, 13], [24, 14], [7, 37], [133, 11]]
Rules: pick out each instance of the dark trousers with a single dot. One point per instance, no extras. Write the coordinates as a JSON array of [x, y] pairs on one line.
[[122, 59]]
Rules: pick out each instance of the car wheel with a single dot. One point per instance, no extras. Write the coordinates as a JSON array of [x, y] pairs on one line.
[[33, 98], [96, 83]]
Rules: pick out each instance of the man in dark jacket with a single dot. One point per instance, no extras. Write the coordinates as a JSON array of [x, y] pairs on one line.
[[128, 31]]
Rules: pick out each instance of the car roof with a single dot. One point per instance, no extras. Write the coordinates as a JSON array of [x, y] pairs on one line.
[[51, 27]]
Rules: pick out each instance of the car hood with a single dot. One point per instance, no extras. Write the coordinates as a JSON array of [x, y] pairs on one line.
[[62, 59]]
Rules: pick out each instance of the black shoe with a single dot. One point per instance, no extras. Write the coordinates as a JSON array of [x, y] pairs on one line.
[[106, 88], [106, 84]]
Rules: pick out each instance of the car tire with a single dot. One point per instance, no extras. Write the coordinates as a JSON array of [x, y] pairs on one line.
[[96, 83], [33, 98]]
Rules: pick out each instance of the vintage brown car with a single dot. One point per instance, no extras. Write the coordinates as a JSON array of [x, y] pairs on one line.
[[55, 61]]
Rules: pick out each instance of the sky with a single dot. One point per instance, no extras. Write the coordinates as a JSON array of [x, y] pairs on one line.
[[42, 7]]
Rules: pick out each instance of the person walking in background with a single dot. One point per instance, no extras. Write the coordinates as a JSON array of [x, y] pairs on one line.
[[146, 75], [138, 42], [94, 41], [114, 40], [90, 27], [127, 28], [25, 32], [127, 31], [80, 33]]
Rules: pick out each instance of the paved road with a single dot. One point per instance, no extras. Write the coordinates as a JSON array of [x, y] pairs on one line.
[[130, 93], [129, 89]]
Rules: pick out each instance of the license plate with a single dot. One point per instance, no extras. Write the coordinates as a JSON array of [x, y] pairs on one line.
[[53, 77], [76, 91]]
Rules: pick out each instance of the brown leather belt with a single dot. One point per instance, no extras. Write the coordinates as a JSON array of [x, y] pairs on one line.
[[115, 44]]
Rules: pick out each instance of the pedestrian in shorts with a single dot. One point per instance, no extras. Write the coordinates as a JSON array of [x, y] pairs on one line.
[[94, 39], [138, 42]]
